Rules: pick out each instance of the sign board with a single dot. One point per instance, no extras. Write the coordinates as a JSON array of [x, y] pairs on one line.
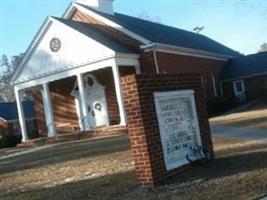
[[178, 125]]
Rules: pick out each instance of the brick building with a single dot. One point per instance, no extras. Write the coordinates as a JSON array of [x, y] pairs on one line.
[[244, 78], [74, 64], [10, 133]]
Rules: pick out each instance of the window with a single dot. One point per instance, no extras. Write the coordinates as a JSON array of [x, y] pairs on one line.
[[239, 87], [239, 90]]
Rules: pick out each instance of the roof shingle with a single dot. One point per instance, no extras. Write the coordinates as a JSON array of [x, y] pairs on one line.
[[8, 111], [245, 66], [159, 33], [93, 33]]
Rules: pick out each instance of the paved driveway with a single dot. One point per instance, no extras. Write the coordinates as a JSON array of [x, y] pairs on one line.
[[237, 132]]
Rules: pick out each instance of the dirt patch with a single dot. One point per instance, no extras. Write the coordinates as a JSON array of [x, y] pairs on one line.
[[253, 118], [104, 169]]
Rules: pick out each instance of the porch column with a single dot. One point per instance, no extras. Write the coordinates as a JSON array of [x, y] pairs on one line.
[[116, 75], [21, 116], [79, 113], [49, 116], [85, 118]]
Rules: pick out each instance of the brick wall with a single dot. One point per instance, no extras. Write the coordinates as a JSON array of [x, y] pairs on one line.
[[228, 89], [63, 106], [142, 121], [39, 110], [256, 87], [181, 64], [147, 63]]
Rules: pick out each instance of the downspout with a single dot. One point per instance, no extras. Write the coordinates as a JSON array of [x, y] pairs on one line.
[[152, 47], [156, 60], [221, 88], [214, 86]]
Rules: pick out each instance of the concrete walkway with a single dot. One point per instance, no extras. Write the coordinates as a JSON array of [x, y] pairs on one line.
[[23, 151], [235, 132]]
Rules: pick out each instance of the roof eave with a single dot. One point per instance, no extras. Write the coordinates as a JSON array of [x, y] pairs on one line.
[[245, 76], [69, 11], [127, 55], [185, 51]]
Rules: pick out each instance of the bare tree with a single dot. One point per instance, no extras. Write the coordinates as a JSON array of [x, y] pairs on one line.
[[146, 16], [7, 68], [198, 29], [263, 47]]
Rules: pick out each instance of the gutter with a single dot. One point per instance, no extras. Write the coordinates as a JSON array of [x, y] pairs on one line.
[[184, 51], [156, 61], [245, 77]]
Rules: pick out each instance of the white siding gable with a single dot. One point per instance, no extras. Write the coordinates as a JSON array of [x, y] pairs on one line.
[[76, 49]]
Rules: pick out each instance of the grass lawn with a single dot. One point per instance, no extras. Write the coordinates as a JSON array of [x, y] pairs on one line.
[[253, 118], [103, 169]]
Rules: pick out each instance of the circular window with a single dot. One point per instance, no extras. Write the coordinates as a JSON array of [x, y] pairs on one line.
[[55, 44], [90, 81], [98, 106]]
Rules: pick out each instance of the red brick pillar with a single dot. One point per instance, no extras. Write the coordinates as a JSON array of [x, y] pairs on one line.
[[143, 125]]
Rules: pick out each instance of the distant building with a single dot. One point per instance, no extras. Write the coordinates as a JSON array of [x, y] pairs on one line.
[[9, 123], [245, 78]]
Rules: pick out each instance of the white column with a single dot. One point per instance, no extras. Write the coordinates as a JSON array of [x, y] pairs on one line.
[[85, 117], [21, 116], [119, 95], [49, 116], [79, 113]]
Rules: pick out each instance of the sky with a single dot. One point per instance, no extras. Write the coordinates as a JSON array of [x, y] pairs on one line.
[[238, 24]]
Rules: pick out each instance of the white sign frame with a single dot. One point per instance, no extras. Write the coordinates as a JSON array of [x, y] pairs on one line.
[[170, 95]]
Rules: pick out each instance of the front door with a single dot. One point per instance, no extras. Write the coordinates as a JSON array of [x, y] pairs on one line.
[[91, 114], [100, 112], [97, 112], [96, 103]]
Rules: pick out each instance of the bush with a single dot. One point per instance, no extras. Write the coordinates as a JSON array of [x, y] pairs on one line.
[[220, 105], [10, 141]]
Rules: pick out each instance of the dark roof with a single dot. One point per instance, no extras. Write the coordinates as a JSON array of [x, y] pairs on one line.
[[160, 33], [8, 111], [245, 66], [88, 30]]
